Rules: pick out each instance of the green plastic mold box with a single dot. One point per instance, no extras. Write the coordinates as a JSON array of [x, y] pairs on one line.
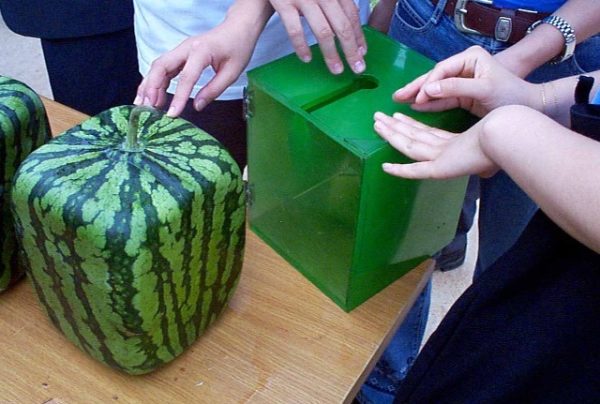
[[317, 192]]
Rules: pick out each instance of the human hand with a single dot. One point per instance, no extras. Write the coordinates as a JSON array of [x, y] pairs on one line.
[[381, 15], [327, 19], [226, 48], [471, 80], [519, 67], [439, 154]]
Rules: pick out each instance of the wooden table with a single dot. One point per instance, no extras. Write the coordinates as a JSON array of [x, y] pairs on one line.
[[280, 341]]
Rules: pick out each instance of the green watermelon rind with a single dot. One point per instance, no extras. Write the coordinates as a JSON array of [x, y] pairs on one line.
[[106, 232], [23, 128]]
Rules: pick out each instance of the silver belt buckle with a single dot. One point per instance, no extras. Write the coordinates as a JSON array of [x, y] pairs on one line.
[[503, 29], [460, 11]]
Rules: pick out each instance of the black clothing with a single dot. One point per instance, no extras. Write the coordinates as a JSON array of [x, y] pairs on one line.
[[59, 19], [89, 48], [223, 120], [93, 73], [528, 330]]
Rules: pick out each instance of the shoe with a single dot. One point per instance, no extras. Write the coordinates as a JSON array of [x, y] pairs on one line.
[[451, 257]]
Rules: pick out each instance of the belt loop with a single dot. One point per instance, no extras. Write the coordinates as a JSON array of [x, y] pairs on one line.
[[438, 11]]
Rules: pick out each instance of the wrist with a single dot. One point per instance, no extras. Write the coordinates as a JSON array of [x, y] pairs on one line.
[[499, 130], [539, 47], [551, 26], [543, 98], [517, 61], [249, 16], [491, 127], [385, 8]]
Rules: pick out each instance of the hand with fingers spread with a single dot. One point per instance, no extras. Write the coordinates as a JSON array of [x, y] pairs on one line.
[[327, 19], [471, 80], [226, 48], [552, 164], [439, 154], [181, 43]]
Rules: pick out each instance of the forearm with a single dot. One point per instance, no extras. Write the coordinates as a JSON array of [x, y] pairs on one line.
[[583, 15], [381, 16], [556, 167], [555, 98], [387, 4], [545, 42], [250, 15], [226, 48]]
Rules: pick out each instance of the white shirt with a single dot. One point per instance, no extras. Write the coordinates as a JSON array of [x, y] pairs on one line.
[[161, 25]]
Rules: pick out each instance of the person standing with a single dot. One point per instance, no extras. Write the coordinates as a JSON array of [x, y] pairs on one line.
[[526, 329], [89, 48], [439, 29]]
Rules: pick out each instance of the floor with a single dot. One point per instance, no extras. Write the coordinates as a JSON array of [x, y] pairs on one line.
[[21, 58]]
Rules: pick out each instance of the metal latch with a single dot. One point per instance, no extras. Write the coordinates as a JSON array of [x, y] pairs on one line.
[[247, 104]]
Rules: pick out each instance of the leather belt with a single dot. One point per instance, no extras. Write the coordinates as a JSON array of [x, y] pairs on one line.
[[482, 18]]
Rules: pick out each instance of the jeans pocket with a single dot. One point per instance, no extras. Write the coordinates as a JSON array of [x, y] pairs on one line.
[[419, 15]]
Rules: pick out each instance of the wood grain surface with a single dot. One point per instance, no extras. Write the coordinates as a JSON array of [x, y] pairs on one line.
[[280, 341]]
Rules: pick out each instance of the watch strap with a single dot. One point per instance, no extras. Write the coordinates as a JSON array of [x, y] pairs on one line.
[[566, 31]]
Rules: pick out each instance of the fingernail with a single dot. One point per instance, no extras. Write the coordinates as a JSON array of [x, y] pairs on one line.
[[306, 58], [399, 92], [147, 102], [171, 112], [200, 104], [337, 68], [386, 166], [359, 67], [137, 100], [378, 115], [433, 88], [362, 50]]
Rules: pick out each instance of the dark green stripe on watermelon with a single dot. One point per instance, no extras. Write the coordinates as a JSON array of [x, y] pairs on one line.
[[132, 253], [23, 128]]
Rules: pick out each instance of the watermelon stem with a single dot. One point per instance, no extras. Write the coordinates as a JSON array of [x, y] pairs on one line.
[[132, 143]]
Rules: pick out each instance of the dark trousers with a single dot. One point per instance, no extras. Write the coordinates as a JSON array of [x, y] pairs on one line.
[[224, 120], [94, 73]]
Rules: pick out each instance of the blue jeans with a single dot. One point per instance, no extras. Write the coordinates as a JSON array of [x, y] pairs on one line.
[[390, 370], [504, 209]]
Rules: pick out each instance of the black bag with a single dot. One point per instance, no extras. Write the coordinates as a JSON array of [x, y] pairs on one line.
[[585, 117]]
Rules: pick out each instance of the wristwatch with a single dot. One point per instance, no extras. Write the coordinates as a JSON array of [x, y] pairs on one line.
[[567, 32]]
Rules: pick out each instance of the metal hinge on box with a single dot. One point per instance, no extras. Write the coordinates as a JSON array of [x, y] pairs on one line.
[[248, 112], [249, 194]]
